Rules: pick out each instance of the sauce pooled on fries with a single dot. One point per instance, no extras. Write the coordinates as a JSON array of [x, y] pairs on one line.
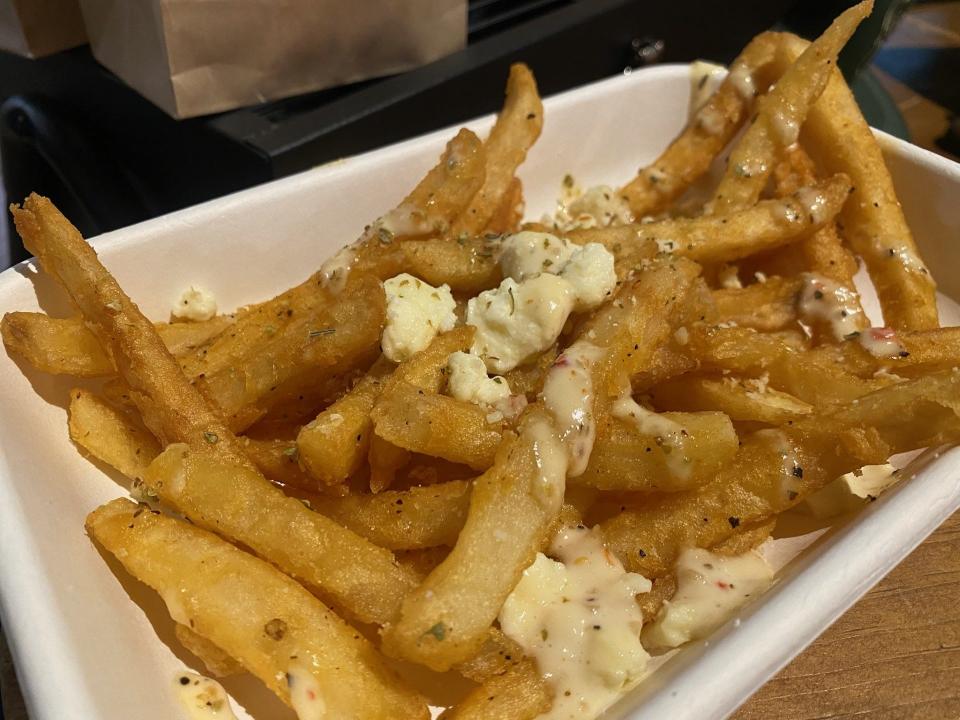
[[202, 698]]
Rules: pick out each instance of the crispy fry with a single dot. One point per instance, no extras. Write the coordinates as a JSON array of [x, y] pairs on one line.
[[278, 461], [225, 492], [253, 612], [516, 130], [765, 306], [662, 590], [333, 445], [112, 436], [689, 156], [466, 264], [781, 113], [774, 470], [509, 214], [217, 662], [437, 425], [519, 694], [67, 347], [339, 336], [625, 459], [745, 538], [386, 460], [838, 138], [447, 619], [234, 499], [743, 400], [420, 517], [714, 239]]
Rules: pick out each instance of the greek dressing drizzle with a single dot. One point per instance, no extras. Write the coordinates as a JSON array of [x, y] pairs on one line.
[[578, 617], [202, 698], [568, 396], [670, 435], [824, 300]]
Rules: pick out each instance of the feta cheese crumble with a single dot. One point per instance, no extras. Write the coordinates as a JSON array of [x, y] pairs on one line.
[[416, 313], [515, 321], [467, 381], [195, 304]]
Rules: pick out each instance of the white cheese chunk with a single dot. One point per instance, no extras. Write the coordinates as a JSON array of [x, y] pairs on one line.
[[416, 313], [590, 271], [515, 321], [599, 206], [467, 381], [527, 253], [196, 304]]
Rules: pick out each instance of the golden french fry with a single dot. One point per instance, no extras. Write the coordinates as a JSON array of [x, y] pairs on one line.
[[745, 538], [225, 492], [516, 130], [65, 346], [839, 139], [341, 335], [437, 425], [333, 446], [781, 113], [276, 628], [519, 694], [420, 517], [448, 617], [508, 216], [422, 561], [386, 460], [775, 469], [278, 461], [232, 498], [217, 662], [689, 156], [714, 239], [765, 306], [746, 400], [112, 436], [625, 459], [466, 264]]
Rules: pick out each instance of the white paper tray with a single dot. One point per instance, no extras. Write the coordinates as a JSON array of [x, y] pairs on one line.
[[85, 651]]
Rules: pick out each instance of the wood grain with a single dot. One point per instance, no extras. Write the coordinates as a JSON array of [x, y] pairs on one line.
[[895, 655]]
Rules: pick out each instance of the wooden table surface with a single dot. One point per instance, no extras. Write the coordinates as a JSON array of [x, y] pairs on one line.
[[895, 655]]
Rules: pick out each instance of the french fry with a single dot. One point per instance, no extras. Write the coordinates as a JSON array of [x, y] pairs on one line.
[[839, 140], [690, 155], [342, 335], [386, 460], [278, 460], [67, 347], [447, 618], [226, 493], [217, 662], [519, 694], [112, 436], [361, 578], [508, 216], [764, 306], [745, 538], [466, 264], [422, 561], [775, 470], [742, 400], [781, 113], [437, 425], [277, 629], [420, 517], [516, 130], [625, 459], [715, 239], [332, 447]]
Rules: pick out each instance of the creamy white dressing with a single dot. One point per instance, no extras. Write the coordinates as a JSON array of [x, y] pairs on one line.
[[526, 254], [305, 696], [202, 698], [577, 616], [335, 270], [669, 434], [785, 126], [824, 300], [711, 120], [742, 80], [568, 395], [196, 304], [710, 588], [852, 491], [907, 258], [551, 459], [791, 472], [815, 204], [882, 343], [705, 78]]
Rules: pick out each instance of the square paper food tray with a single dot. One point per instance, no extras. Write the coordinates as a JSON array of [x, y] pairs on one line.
[[85, 651]]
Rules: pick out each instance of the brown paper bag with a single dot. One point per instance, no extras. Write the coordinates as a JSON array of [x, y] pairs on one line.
[[193, 57], [35, 28]]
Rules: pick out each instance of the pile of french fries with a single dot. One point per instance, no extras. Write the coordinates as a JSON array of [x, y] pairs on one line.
[[290, 480]]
